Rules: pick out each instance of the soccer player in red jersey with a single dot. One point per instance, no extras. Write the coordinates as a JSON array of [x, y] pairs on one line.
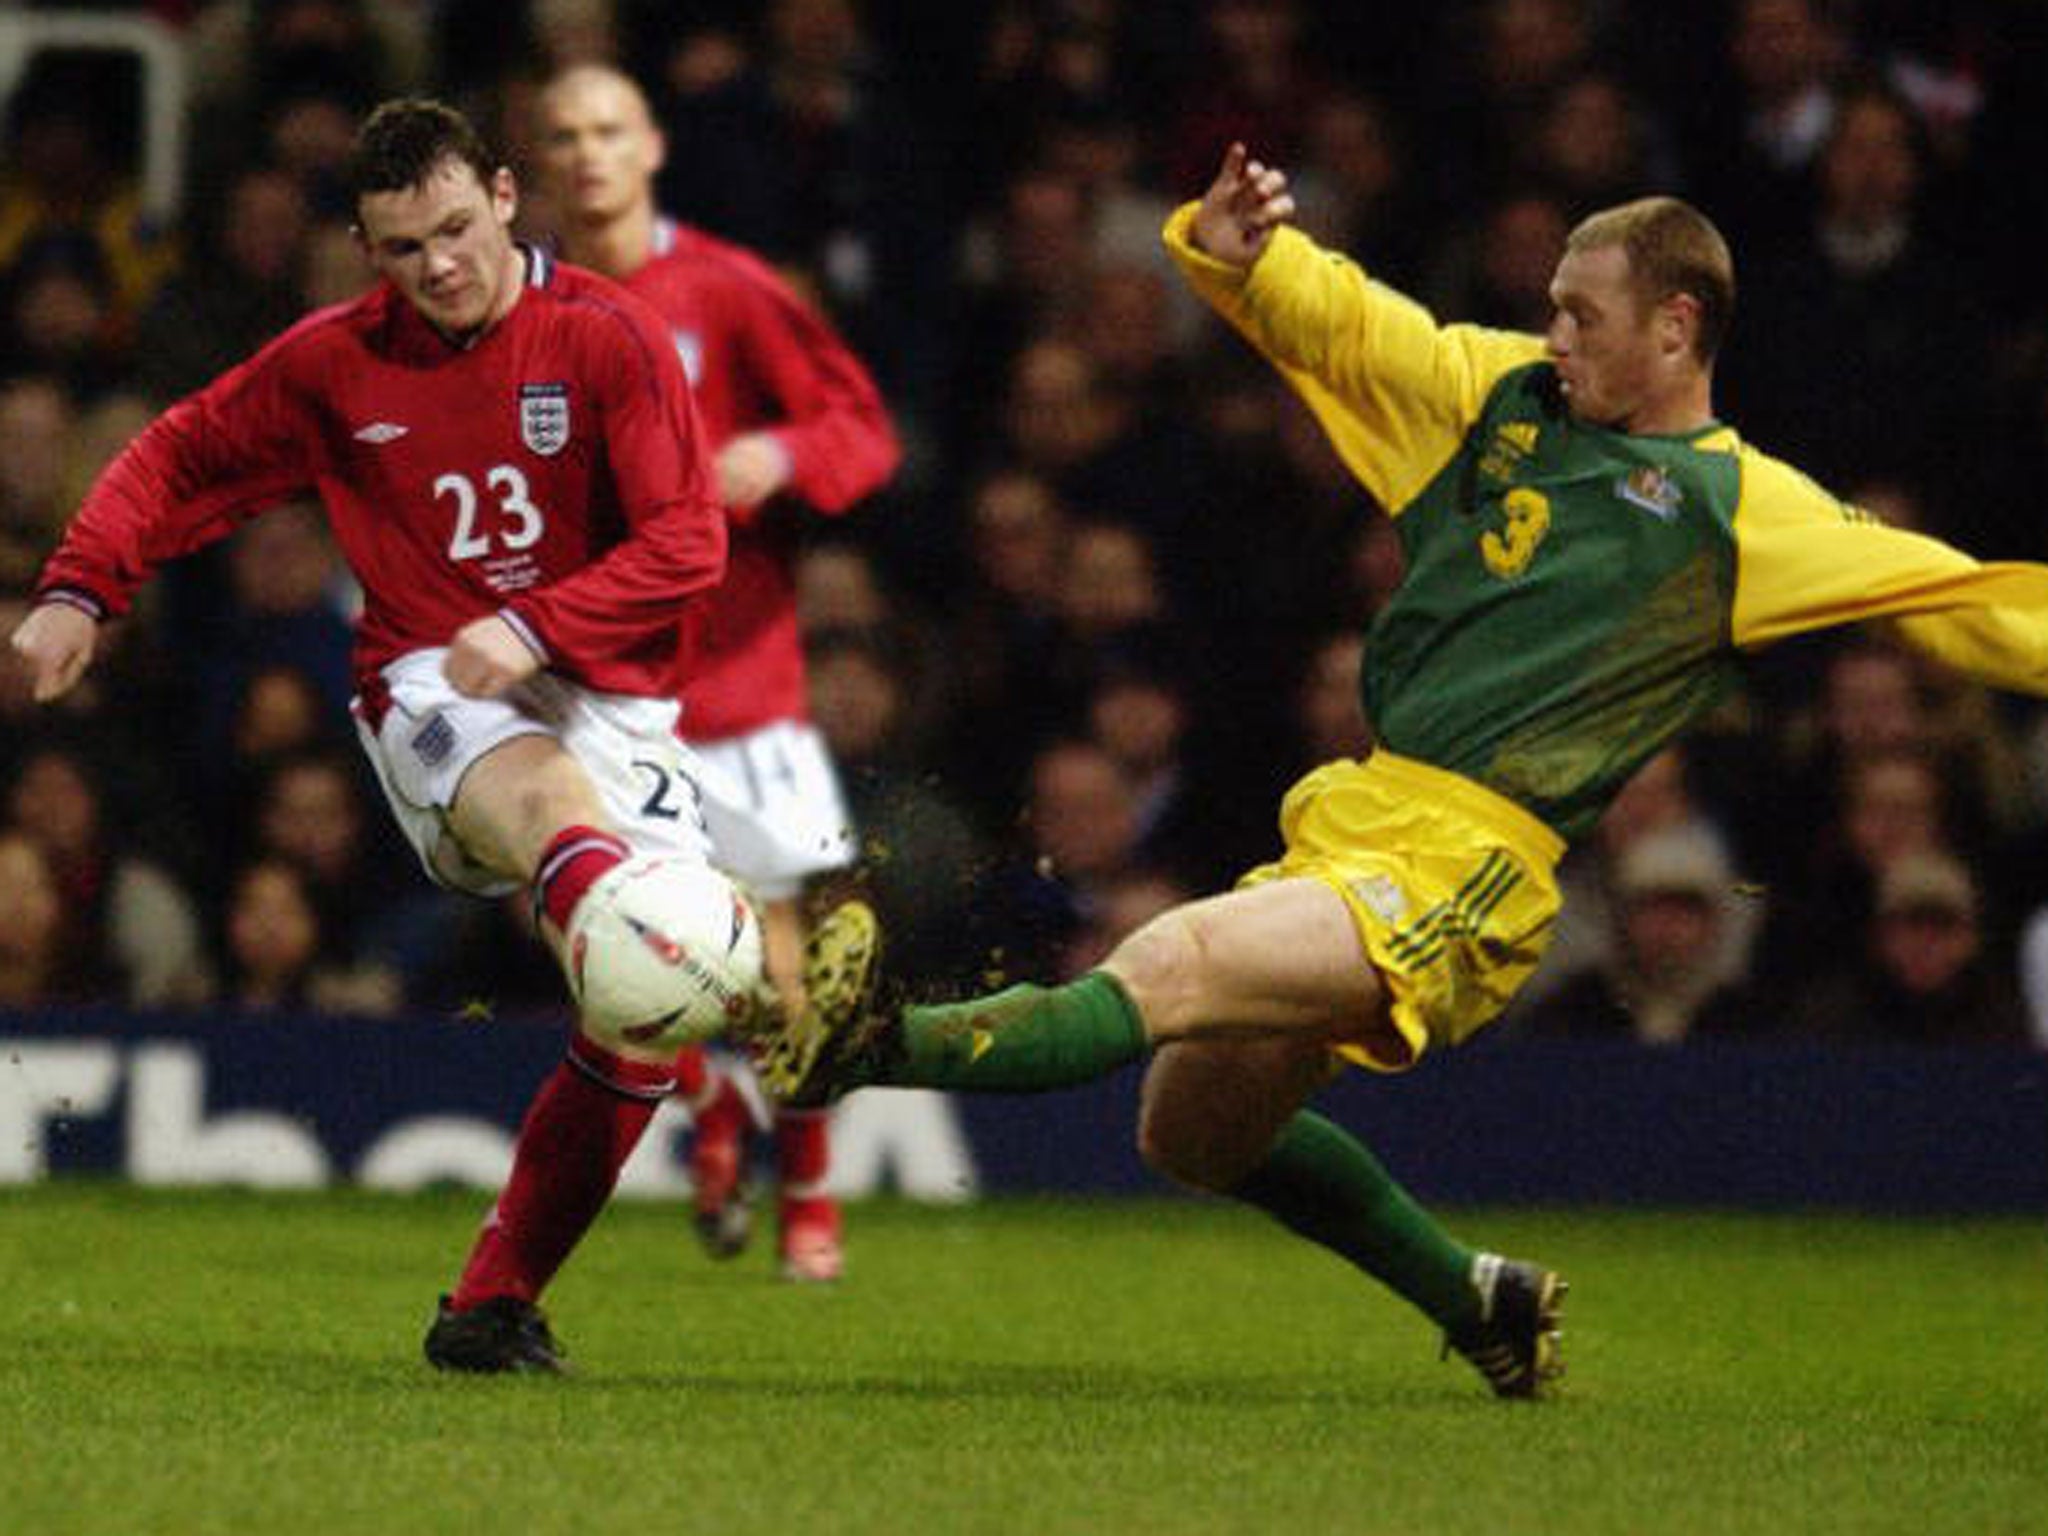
[[508, 453], [791, 417]]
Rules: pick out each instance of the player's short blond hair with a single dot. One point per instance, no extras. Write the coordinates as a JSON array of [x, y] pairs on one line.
[[1672, 249]]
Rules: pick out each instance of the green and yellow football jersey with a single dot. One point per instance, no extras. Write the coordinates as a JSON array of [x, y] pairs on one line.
[[1577, 596]]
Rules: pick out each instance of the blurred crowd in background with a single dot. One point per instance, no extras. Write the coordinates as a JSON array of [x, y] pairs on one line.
[[1116, 601]]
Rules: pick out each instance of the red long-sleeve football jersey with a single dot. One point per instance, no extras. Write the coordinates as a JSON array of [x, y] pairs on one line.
[[553, 470], [760, 358]]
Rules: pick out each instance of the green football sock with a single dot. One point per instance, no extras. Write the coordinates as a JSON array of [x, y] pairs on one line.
[[1021, 1039], [1321, 1182]]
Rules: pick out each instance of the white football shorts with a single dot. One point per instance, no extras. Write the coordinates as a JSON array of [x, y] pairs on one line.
[[646, 778], [773, 807]]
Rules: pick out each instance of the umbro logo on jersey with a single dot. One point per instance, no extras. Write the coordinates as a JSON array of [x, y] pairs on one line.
[[380, 432]]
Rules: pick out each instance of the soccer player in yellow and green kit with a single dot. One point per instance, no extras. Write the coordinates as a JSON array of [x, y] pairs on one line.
[[1588, 550]]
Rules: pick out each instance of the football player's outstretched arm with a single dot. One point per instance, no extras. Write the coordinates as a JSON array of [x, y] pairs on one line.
[[1246, 202]]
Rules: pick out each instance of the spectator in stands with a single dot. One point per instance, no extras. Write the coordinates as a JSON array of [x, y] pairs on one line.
[[1094, 443], [1922, 973], [1125, 326], [271, 942], [1139, 712], [1256, 80], [31, 925], [306, 133], [241, 288], [1024, 268], [1376, 567], [1028, 61], [36, 420], [1887, 804], [812, 154], [1080, 837], [1260, 464], [1102, 149], [1018, 530], [838, 587], [1598, 144], [1352, 186], [1498, 272], [275, 713], [284, 81], [1861, 283], [66, 189], [59, 316], [377, 915], [127, 931], [280, 713], [1062, 421], [1004, 625], [291, 597], [1660, 802], [1878, 699], [1494, 81], [1750, 164], [1111, 588], [1665, 973]]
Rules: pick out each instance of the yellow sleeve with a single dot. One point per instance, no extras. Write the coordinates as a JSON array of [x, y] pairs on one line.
[[1395, 391], [1805, 561]]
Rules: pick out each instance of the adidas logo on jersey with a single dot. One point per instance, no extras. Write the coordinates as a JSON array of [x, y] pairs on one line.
[[1513, 442], [380, 432]]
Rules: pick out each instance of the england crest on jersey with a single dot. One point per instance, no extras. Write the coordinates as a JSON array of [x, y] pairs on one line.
[[544, 418]]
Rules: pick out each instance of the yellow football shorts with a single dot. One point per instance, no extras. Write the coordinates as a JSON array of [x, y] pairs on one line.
[[1452, 887]]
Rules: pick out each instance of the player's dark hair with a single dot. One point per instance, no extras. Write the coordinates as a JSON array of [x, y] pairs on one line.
[[1672, 249], [403, 141]]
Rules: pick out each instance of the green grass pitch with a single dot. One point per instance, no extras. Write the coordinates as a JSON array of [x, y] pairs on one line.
[[236, 1363]]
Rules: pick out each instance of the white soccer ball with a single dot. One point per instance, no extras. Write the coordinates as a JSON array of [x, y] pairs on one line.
[[663, 952]]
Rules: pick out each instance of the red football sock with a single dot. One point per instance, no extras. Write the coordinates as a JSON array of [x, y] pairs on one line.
[[581, 1128], [803, 1152], [569, 865], [695, 1081], [720, 1122]]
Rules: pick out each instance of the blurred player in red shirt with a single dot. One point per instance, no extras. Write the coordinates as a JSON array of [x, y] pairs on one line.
[[791, 417], [508, 454]]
